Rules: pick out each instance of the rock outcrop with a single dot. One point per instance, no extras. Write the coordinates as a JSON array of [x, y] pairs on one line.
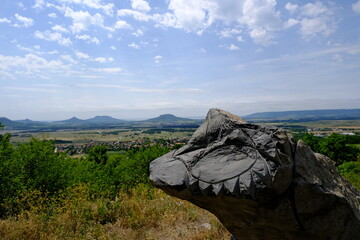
[[259, 182]]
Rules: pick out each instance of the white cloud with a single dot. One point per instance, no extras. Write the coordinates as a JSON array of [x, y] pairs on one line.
[[95, 40], [139, 16], [290, 23], [260, 19], [53, 36], [140, 5], [229, 32], [88, 38], [4, 20], [262, 36], [59, 28], [24, 48], [314, 9], [313, 19], [202, 50], [82, 20], [20, 5], [233, 47], [121, 24], [356, 7], [113, 47], [190, 14], [82, 55], [103, 60], [157, 59], [310, 27], [240, 39], [166, 20], [138, 33], [96, 4], [39, 4], [31, 65], [24, 21], [134, 45], [69, 59], [52, 15], [291, 7], [254, 16], [141, 90], [107, 70]]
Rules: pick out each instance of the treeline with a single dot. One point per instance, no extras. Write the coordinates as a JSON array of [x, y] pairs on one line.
[[337, 147], [35, 166], [340, 149]]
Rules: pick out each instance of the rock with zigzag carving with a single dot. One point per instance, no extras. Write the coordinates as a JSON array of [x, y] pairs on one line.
[[259, 182]]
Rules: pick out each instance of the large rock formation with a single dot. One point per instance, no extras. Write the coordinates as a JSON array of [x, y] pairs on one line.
[[259, 183]]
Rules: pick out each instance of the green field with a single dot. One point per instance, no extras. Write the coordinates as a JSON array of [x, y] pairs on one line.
[[325, 126], [102, 135]]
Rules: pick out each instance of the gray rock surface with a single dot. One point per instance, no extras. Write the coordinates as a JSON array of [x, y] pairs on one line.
[[259, 183]]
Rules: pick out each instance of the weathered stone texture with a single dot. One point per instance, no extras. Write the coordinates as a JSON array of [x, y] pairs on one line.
[[259, 183]]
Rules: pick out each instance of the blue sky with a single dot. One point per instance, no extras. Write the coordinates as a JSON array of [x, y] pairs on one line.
[[139, 59]]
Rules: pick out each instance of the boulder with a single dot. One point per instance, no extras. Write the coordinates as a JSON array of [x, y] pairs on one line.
[[260, 183]]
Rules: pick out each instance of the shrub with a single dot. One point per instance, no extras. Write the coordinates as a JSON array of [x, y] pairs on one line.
[[334, 146], [351, 171]]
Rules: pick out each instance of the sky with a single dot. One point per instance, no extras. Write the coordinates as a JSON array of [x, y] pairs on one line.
[[141, 58]]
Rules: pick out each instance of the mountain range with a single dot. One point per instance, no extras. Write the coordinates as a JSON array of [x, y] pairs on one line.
[[305, 115], [171, 120], [97, 121]]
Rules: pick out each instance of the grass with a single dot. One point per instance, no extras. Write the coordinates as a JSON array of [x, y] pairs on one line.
[[144, 213]]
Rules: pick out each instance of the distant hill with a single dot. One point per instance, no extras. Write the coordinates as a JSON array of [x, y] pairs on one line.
[[103, 119], [73, 120], [28, 121], [305, 115], [168, 118], [9, 123], [20, 124]]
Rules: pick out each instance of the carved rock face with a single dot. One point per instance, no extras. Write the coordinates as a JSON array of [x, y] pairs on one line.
[[227, 155], [246, 175]]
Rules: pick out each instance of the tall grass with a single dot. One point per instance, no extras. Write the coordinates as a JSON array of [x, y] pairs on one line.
[[141, 213]]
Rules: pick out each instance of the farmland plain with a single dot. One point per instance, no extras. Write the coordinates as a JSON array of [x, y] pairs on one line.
[[130, 133]]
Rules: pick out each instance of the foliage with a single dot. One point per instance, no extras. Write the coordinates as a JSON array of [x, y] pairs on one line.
[[98, 154], [351, 171], [142, 213], [35, 166], [41, 168], [312, 141], [334, 146], [47, 195]]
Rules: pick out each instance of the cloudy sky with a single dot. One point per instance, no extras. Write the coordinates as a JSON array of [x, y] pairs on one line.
[[138, 58]]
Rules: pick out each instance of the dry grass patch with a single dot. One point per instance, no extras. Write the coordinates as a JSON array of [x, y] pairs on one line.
[[144, 213]]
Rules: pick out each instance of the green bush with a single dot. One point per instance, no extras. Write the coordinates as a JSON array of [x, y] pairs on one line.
[[35, 166], [334, 146], [98, 154], [351, 171]]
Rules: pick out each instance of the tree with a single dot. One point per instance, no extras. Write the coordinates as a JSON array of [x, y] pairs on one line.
[[98, 154], [312, 141], [334, 146]]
